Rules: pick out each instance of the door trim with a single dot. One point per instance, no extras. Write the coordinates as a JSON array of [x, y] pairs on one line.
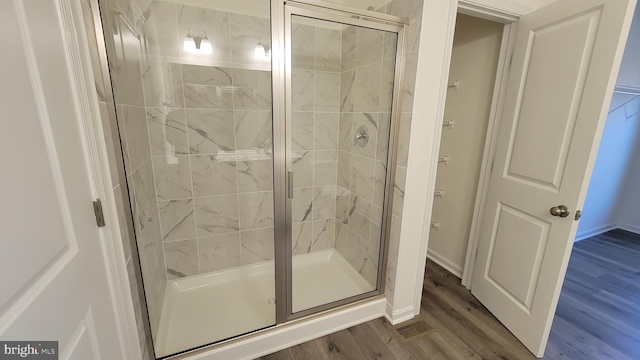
[[493, 126], [99, 171], [498, 11]]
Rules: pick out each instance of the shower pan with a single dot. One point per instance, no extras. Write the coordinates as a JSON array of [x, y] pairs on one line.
[[259, 147]]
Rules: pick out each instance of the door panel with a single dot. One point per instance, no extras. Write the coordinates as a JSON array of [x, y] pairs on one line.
[[339, 97], [561, 78], [51, 256], [83, 343], [511, 266], [556, 54]]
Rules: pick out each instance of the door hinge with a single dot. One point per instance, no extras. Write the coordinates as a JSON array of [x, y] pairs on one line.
[[97, 210]]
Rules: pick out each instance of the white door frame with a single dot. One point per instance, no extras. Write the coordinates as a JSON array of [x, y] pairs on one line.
[[95, 152], [508, 14], [493, 126]]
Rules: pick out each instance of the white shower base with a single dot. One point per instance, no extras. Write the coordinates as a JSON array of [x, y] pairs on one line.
[[207, 308]]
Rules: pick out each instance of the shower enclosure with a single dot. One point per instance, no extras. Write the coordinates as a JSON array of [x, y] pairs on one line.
[[258, 141]]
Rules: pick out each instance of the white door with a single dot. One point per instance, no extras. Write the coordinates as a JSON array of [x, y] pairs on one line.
[[561, 79], [53, 278]]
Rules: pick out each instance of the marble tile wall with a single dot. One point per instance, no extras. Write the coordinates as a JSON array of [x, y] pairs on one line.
[[209, 120], [211, 132], [366, 78], [315, 83], [412, 10], [124, 37]]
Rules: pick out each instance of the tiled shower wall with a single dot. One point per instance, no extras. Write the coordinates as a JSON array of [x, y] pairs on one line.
[[315, 82], [124, 40], [366, 79], [210, 129], [412, 10]]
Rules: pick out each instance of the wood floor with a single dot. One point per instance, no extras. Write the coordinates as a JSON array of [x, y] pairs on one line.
[[598, 316]]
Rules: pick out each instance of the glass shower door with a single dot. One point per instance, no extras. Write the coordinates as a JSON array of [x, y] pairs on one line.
[[192, 89], [339, 105]]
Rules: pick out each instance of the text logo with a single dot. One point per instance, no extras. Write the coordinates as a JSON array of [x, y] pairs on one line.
[[41, 350]]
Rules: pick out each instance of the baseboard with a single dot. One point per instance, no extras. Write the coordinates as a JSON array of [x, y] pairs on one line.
[[445, 263], [629, 227], [597, 231], [293, 334], [402, 315]]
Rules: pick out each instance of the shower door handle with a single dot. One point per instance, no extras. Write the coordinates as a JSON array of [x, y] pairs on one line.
[[290, 184]]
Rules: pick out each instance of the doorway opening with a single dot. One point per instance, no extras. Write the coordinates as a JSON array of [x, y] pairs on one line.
[[516, 236], [477, 46]]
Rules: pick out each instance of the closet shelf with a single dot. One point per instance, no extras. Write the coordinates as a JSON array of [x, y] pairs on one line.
[[627, 89]]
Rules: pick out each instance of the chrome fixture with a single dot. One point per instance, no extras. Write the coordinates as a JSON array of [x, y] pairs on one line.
[[560, 210], [362, 136], [199, 43]]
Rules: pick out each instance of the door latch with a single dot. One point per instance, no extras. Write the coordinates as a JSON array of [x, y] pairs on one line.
[[578, 215], [97, 210]]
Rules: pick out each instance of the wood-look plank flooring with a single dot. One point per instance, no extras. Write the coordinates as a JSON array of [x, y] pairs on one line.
[[598, 316]]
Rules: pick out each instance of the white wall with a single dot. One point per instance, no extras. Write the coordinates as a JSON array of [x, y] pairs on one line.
[[629, 74], [476, 49], [629, 216], [611, 180], [614, 191]]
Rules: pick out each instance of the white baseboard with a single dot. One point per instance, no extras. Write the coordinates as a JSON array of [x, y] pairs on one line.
[[402, 315], [445, 263], [629, 227], [593, 232], [293, 334]]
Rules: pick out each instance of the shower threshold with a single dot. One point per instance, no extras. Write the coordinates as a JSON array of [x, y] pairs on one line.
[[207, 308]]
